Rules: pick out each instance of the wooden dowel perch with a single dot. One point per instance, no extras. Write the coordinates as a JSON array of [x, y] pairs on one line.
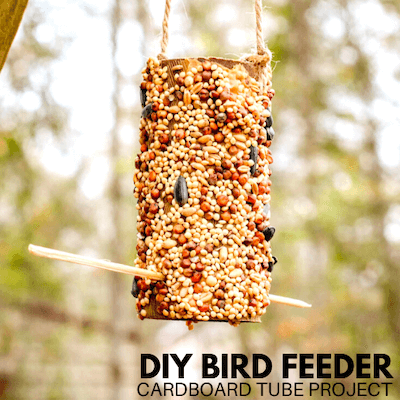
[[93, 262], [126, 269], [288, 301]]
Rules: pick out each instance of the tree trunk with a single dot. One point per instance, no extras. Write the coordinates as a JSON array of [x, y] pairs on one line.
[[11, 13]]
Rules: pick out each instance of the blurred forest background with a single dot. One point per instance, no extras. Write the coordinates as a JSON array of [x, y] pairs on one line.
[[69, 112]]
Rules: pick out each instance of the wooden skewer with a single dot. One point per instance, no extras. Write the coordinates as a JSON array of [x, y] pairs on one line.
[[93, 262], [288, 301], [126, 269]]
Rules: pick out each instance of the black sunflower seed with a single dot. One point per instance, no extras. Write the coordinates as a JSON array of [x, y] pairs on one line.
[[270, 133], [270, 266], [181, 193], [269, 233], [269, 121], [147, 110], [253, 156], [272, 263], [135, 290], [143, 96]]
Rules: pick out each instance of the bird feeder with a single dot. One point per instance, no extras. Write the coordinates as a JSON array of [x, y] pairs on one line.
[[202, 182]]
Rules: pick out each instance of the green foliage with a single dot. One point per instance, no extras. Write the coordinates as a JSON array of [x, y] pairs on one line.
[[36, 207]]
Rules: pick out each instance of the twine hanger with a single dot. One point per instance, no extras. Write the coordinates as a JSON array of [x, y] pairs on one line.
[[261, 59]]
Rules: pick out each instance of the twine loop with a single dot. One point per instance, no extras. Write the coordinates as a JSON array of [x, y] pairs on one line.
[[165, 31], [261, 59]]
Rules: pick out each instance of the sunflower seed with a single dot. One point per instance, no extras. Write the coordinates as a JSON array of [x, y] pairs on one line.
[[135, 290], [269, 233], [143, 96], [181, 193], [270, 133], [272, 263], [147, 110], [253, 157]]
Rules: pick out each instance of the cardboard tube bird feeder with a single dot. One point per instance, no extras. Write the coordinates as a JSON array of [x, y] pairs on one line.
[[203, 189]]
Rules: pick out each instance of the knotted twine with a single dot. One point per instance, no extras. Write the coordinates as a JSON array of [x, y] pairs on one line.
[[262, 58]]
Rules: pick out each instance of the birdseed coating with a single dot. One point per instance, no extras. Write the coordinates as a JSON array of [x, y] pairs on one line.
[[203, 189]]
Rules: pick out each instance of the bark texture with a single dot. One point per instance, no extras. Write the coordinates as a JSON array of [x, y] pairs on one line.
[[11, 13]]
